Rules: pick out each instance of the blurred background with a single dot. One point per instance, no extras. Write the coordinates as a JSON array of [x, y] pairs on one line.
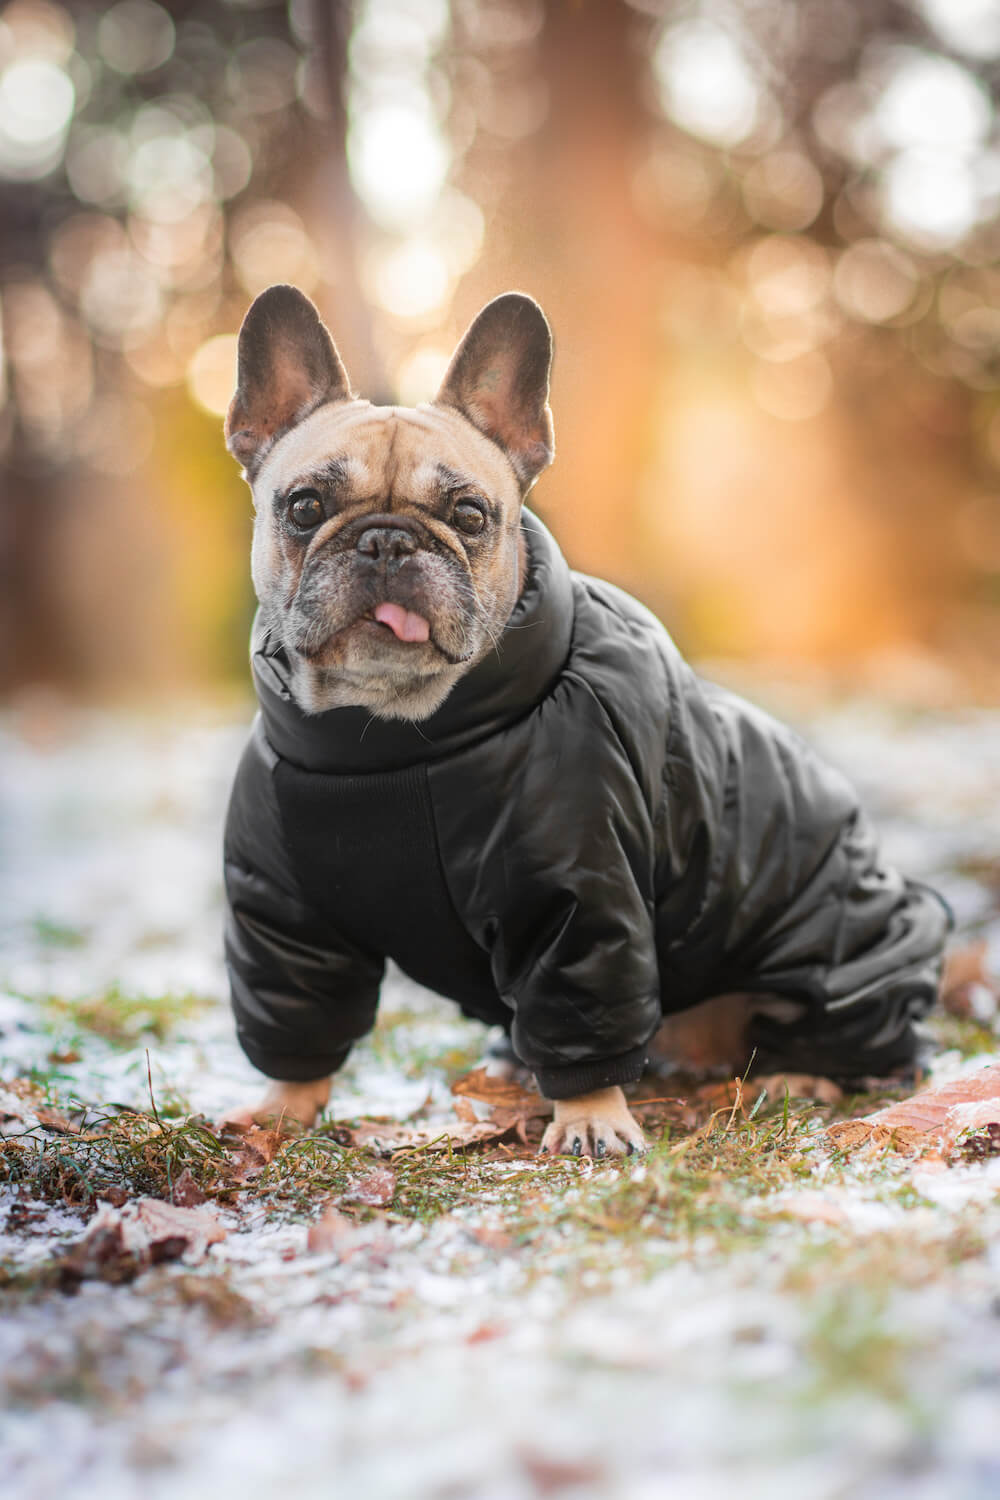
[[765, 233]]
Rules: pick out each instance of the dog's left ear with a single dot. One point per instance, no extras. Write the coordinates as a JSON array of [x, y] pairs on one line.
[[499, 379], [287, 366]]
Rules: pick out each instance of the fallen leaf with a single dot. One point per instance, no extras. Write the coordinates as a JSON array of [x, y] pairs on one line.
[[267, 1143], [485, 1333], [848, 1135], [187, 1193], [374, 1190], [254, 1148], [465, 1111], [148, 1221], [454, 1135], [550, 1475], [54, 1119], [928, 1110], [122, 1242], [501, 1092], [931, 1116]]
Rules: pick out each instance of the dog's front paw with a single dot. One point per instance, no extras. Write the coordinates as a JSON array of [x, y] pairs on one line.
[[284, 1103], [597, 1124]]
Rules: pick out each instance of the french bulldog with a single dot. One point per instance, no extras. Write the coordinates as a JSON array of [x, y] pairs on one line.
[[400, 580]]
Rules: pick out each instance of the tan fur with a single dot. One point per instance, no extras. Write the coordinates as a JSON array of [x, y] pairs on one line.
[[713, 1036], [597, 1124], [391, 458], [300, 1103]]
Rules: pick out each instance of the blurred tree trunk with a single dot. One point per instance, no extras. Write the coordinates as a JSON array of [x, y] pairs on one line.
[[570, 185], [339, 211], [32, 644]]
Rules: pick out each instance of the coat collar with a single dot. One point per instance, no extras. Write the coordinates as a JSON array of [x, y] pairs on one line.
[[503, 687]]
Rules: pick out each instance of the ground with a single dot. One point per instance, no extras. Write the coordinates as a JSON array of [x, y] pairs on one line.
[[751, 1308]]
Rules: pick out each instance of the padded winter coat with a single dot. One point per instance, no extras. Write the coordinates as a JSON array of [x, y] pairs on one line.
[[584, 837]]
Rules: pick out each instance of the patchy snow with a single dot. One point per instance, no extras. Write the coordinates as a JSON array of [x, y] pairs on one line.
[[849, 1348]]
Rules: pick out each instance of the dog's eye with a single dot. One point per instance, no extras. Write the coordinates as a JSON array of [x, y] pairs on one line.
[[305, 509], [469, 517]]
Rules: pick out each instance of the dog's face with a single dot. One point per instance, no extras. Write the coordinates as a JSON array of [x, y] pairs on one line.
[[386, 551]]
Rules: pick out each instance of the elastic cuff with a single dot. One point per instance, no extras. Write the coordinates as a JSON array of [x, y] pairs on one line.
[[289, 1067], [584, 1078]]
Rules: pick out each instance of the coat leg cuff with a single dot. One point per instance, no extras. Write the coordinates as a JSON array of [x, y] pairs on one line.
[[585, 1077]]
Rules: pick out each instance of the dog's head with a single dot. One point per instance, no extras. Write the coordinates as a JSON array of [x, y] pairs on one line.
[[386, 551]]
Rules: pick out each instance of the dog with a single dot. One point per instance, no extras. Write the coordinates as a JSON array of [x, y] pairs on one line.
[[503, 776]]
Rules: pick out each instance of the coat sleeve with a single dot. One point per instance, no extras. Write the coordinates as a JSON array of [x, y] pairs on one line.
[[558, 885], [301, 994]]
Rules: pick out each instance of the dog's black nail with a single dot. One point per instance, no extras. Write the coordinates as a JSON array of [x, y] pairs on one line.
[[577, 1146], [600, 1148], [629, 1149], [544, 1151]]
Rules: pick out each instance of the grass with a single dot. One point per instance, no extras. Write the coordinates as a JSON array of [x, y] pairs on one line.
[[704, 1191], [691, 1187], [702, 1184], [49, 934], [118, 1018], [117, 1154]]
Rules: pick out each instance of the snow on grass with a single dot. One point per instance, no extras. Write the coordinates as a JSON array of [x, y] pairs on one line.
[[748, 1311]]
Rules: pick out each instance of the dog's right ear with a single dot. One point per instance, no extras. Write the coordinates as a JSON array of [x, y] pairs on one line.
[[287, 366]]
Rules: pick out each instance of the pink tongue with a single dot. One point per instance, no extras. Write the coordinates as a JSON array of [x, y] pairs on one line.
[[402, 623]]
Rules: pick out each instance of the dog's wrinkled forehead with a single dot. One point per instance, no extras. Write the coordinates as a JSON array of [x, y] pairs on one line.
[[386, 456]]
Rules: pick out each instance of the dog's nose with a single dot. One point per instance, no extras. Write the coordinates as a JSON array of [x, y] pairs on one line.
[[386, 544]]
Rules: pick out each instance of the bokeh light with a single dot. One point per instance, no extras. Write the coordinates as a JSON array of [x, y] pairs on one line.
[[36, 106], [211, 373], [135, 36], [268, 242], [409, 280], [706, 83], [780, 220]]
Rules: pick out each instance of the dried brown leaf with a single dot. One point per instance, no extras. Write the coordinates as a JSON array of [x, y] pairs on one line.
[[550, 1475], [454, 1135], [250, 1149], [375, 1189], [187, 1193], [121, 1242], [934, 1116], [54, 1119], [501, 1092]]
